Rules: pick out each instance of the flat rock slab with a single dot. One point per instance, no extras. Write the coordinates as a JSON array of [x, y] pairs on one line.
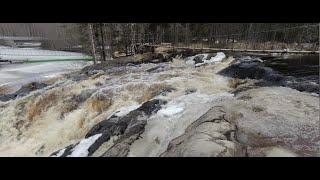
[[279, 116], [269, 121]]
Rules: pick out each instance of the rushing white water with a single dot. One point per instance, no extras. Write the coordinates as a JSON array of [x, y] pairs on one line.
[[47, 120]]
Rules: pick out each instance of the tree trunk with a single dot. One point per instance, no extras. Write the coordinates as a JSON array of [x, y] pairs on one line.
[[92, 43], [102, 43]]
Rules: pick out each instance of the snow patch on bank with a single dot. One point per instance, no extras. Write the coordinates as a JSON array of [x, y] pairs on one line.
[[21, 54], [280, 152], [81, 150], [125, 110], [171, 110]]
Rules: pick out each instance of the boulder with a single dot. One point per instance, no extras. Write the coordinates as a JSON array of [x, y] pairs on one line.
[[198, 59], [206, 137], [24, 90]]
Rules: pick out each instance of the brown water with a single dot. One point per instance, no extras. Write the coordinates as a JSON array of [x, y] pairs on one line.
[[297, 66]]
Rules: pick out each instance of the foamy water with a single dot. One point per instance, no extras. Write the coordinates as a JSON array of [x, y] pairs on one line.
[[47, 120]]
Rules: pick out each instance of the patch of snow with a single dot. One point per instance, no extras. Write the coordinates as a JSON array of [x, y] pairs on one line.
[[12, 53], [59, 153], [171, 110], [52, 75], [125, 110], [280, 152], [81, 150]]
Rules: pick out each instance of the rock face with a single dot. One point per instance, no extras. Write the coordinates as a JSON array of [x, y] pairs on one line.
[[252, 70], [280, 116], [209, 136], [24, 90], [268, 121], [262, 122], [127, 128], [198, 59]]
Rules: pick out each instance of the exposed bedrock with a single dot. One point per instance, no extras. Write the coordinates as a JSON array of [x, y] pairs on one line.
[[268, 121], [126, 128]]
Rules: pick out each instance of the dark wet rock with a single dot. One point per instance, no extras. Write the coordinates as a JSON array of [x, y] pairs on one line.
[[210, 55], [24, 90], [31, 87], [128, 128], [229, 135], [107, 127], [79, 77], [166, 90], [190, 91], [8, 97], [122, 146], [67, 150], [244, 97], [187, 52], [154, 68], [304, 86], [252, 70], [103, 138], [116, 70], [198, 59]]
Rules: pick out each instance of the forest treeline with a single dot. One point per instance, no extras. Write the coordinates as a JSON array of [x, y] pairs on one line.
[[121, 36]]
